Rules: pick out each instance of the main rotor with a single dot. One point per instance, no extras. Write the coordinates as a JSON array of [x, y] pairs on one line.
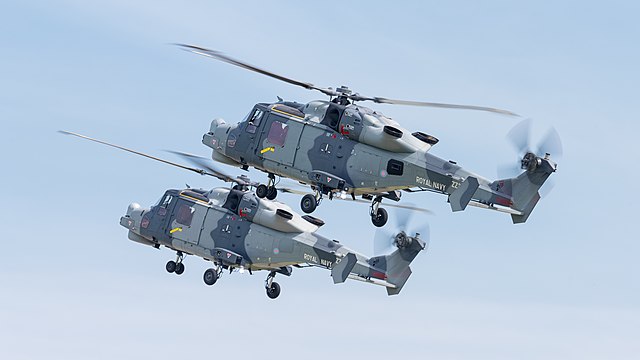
[[342, 95]]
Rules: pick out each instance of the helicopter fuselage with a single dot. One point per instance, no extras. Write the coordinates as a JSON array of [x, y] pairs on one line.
[[236, 230], [355, 151]]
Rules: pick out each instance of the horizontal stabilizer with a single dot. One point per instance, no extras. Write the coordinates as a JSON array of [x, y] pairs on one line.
[[519, 219], [341, 270], [460, 197], [398, 280]]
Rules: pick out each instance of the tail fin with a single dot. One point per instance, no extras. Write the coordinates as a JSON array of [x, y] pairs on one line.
[[523, 189], [395, 266]]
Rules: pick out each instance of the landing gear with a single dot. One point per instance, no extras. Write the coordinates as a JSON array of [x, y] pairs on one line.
[[308, 203], [379, 215], [268, 191], [179, 268], [272, 287], [272, 192], [262, 190], [171, 266], [211, 275], [176, 266]]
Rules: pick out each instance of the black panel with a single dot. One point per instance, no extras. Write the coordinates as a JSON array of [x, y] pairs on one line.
[[395, 167]]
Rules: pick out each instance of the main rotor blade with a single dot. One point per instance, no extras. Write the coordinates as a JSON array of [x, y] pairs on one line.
[[381, 100], [329, 91], [205, 163], [407, 207], [222, 57], [196, 170]]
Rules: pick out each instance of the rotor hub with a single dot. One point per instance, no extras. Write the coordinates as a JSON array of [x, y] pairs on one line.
[[402, 240]]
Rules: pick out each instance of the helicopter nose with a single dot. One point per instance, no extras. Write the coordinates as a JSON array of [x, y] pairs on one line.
[[133, 218], [215, 123], [132, 207]]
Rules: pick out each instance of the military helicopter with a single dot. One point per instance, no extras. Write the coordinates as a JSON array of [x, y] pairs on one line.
[[236, 230], [341, 148]]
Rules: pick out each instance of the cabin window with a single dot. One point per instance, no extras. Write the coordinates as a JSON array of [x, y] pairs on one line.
[[278, 133], [254, 121], [395, 167], [185, 215]]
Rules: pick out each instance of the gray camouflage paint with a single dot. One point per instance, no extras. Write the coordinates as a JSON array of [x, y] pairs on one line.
[[354, 156], [233, 239]]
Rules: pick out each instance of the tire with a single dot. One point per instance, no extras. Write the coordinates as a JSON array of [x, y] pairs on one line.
[[262, 191], [179, 268], [171, 266], [308, 203], [274, 290], [210, 276], [381, 218], [272, 192]]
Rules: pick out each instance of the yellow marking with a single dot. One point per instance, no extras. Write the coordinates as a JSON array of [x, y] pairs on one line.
[[175, 229], [270, 148], [286, 113], [194, 199]]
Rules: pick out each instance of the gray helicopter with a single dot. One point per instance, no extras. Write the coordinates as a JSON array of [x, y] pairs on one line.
[[344, 149], [236, 230]]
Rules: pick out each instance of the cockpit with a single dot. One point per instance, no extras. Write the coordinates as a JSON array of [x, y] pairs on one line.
[[233, 200]]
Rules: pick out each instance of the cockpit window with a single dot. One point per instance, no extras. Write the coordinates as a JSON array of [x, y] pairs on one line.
[[254, 121], [164, 204], [233, 200], [278, 133]]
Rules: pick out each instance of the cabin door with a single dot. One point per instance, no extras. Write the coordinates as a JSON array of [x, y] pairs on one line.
[[187, 220], [279, 140]]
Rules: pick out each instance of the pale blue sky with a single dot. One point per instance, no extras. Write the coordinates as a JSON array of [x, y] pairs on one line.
[[562, 286]]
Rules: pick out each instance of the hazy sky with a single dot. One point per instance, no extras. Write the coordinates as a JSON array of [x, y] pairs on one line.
[[562, 286]]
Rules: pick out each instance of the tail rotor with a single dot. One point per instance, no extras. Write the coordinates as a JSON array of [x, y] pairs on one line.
[[400, 234], [529, 157]]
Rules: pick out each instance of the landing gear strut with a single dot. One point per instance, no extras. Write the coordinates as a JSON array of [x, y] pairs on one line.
[[379, 215], [272, 287], [176, 266], [269, 191]]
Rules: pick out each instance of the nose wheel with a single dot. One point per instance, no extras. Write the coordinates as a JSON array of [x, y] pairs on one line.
[[272, 287], [176, 266]]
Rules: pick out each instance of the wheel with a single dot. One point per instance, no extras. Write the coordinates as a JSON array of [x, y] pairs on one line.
[[272, 192], [274, 290], [171, 266], [179, 268], [210, 277], [262, 190], [308, 203], [381, 218]]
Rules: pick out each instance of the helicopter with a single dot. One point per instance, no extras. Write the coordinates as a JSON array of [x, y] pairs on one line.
[[343, 149], [236, 230]]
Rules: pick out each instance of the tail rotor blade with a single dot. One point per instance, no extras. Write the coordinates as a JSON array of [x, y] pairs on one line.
[[519, 136], [403, 218], [383, 241], [551, 144]]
